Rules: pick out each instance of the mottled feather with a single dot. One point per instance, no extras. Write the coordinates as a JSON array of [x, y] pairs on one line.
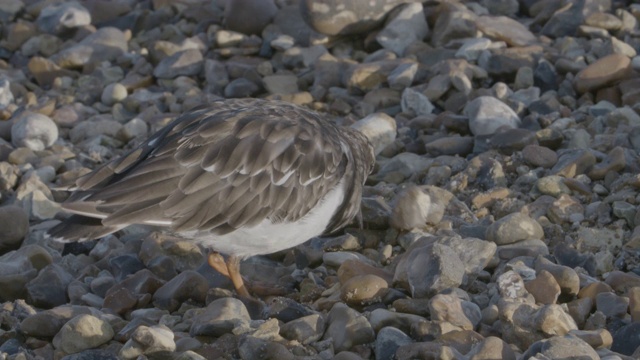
[[233, 164]]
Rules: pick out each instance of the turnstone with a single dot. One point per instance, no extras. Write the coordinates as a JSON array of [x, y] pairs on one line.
[[242, 177]]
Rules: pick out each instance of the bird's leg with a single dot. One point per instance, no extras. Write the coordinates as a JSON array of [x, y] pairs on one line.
[[231, 269]]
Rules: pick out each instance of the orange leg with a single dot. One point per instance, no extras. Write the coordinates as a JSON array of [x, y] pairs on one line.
[[231, 269]]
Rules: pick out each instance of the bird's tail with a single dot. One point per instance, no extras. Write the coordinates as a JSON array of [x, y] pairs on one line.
[[80, 228]]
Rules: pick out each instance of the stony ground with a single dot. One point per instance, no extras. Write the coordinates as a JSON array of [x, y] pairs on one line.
[[500, 221]]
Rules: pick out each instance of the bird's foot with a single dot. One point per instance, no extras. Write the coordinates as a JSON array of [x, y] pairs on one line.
[[231, 269]]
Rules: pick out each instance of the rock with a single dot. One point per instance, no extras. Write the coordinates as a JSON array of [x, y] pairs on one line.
[[220, 317], [81, 333], [59, 18], [406, 26], [487, 114], [415, 102], [614, 162], [113, 93], [566, 277], [364, 290], [10, 8], [491, 348], [612, 305], [379, 128], [574, 162], [604, 72], [553, 185], [187, 285], [152, 340], [261, 12], [544, 288], [427, 268], [514, 228], [380, 318], [345, 18], [634, 303], [105, 44], [559, 347], [14, 226], [505, 29], [34, 131], [6, 96], [598, 339], [281, 84], [48, 323], [49, 288], [306, 330], [119, 299], [402, 76], [626, 339], [18, 267], [183, 63], [453, 22], [539, 156], [449, 308], [239, 88], [388, 340], [410, 209], [347, 328]]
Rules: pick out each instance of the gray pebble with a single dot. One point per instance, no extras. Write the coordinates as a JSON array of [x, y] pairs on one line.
[[34, 131], [220, 317]]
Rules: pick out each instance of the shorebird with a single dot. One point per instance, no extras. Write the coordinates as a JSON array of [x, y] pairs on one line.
[[242, 177]]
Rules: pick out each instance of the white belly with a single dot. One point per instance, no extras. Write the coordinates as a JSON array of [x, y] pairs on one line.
[[268, 237]]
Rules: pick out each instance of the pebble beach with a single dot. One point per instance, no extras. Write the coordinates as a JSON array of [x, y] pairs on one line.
[[501, 220]]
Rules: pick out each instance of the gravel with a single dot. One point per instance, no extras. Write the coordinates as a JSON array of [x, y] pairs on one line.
[[500, 221]]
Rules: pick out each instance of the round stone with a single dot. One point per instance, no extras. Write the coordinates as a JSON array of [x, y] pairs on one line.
[[81, 333], [34, 131]]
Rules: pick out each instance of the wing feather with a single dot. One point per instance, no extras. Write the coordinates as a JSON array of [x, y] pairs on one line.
[[235, 163]]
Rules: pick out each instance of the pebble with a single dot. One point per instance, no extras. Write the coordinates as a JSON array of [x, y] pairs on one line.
[[544, 288], [388, 340], [81, 333], [14, 225], [405, 27], [220, 317], [147, 341], [338, 18], [561, 347], [411, 209], [106, 44], [603, 72], [183, 63], [306, 330], [49, 288], [59, 18], [188, 285], [261, 12], [428, 268], [363, 290], [347, 328], [539, 156], [34, 131], [514, 228], [449, 308], [488, 114]]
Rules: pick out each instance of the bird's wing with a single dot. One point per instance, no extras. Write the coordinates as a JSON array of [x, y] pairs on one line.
[[219, 168]]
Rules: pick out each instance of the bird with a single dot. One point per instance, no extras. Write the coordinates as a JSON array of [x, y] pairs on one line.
[[241, 177]]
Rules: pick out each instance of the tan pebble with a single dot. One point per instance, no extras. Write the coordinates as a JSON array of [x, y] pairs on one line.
[[363, 289], [594, 289], [544, 288], [598, 339]]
